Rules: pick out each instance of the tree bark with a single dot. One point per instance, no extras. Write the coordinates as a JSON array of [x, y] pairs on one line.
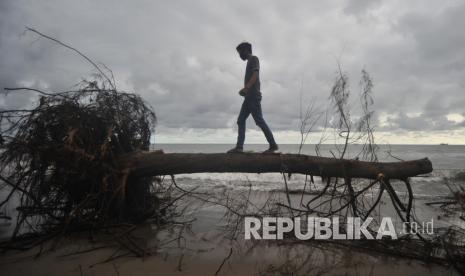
[[157, 163]]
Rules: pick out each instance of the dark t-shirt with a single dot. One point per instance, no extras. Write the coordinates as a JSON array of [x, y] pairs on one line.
[[253, 64]]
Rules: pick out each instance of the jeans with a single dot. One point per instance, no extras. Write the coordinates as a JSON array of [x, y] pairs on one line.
[[254, 107]]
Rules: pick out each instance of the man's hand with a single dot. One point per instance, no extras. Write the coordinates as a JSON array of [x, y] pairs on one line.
[[243, 91]]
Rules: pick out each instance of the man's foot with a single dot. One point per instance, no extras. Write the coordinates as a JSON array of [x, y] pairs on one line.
[[235, 150], [271, 149]]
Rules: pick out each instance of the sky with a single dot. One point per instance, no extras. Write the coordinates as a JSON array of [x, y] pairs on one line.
[[180, 57]]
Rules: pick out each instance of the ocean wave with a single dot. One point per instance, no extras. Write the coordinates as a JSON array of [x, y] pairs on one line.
[[423, 187]]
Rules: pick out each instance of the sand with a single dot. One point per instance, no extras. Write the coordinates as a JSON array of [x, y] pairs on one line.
[[204, 247]]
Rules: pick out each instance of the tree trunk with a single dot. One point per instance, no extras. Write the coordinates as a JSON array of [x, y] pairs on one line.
[[157, 163]]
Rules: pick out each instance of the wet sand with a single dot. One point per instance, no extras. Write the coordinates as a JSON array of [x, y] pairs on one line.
[[85, 264], [204, 247]]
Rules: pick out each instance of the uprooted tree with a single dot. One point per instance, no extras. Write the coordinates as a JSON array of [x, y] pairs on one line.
[[81, 157]]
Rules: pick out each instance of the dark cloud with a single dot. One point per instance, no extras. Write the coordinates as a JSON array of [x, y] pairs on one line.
[[180, 55], [358, 7], [436, 36]]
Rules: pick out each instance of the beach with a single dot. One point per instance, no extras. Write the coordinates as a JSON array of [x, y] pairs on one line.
[[208, 245]]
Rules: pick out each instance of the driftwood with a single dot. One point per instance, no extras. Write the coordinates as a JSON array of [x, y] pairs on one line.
[[157, 163]]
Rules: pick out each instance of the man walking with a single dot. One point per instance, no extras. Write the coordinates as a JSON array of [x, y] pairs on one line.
[[252, 98]]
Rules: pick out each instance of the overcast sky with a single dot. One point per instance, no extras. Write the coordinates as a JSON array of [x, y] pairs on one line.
[[180, 56]]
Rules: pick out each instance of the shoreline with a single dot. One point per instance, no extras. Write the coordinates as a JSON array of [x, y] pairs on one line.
[[205, 247]]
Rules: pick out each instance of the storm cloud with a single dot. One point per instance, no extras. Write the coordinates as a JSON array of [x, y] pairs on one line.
[[180, 56]]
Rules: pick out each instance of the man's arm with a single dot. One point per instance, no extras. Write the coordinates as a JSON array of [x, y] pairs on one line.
[[249, 84], [255, 66], [252, 80]]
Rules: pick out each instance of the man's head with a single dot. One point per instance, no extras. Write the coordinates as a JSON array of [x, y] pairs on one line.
[[244, 49]]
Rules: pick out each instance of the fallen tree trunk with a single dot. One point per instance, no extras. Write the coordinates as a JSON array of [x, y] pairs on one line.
[[157, 163]]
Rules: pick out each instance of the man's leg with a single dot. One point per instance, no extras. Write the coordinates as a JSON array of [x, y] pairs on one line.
[[241, 119], [256, 110]]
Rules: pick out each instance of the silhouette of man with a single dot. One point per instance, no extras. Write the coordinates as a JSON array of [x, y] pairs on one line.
[[252, 100]]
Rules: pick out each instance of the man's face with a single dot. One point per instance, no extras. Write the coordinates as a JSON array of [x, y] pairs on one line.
[[243, 54]]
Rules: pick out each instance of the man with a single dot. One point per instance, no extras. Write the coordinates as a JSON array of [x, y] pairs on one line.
[[252, 97]]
